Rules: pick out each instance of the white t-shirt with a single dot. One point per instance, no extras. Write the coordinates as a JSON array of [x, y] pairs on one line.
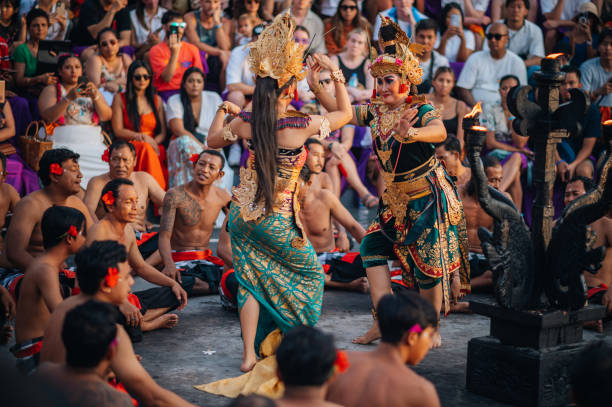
[[404, 25], [438, 61], [454, 43], [140, 32], [527, 42], [238, 70], [481, 74], [480, 5], [210, 102], [329, 7], [570, 7], [593, 77]]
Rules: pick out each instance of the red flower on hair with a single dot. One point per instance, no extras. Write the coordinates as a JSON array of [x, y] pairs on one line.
[[409, 99], [108, 198], [72, 231], [112, 277], [341, 363], [56, 169], [106, 156], [194, 158]]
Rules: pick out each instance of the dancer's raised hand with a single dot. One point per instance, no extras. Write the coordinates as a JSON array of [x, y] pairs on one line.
[[407, 121], [325, 62]]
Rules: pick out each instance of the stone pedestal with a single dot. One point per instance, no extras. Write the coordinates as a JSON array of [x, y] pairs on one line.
[[527, 357]]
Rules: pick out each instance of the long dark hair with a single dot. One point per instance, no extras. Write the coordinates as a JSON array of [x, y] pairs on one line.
[[131, 100], [140, 14], [189, 121], [358, 22], [240, 8], [263, 133], [445, 11]]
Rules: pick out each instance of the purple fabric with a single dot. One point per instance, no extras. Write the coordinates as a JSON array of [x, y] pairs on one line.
[[244, 157], [433, 8], [524, 160], [204, 63], [78, 50], [166, 94], [457, 67], [20, 176], [22, 114]]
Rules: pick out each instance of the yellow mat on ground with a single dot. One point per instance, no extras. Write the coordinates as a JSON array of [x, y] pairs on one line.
[[261, 379]]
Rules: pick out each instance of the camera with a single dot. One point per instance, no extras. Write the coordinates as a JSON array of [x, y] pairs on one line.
[[583, 19]]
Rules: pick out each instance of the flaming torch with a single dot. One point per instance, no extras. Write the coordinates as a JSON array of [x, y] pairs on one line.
[[472, 118], [551, 62]]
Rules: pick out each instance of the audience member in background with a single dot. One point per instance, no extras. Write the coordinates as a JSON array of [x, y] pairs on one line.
[[9, 198], [172, 57], [306, 364], [64, 230], [304, 16], [575, 152], [481, 74], [25, 56], [449, 152], [60, 176], [408, 323], [12, 25], [239, 77], [596, 75], [244, 27], [338, 27], [147, 29], [559, 14], [77, 109], [584, 36], [138, 117], [122, 157], [505, 144], [591, 376], [404, 13], [58, 18], [205, 31], [89, 334], [104, 275], [474, 11], [250, 8], [430, 60], [452, 109], [107, 68], [453, 41], [190, 114], [95, 16], [355, 65], [525, 38]]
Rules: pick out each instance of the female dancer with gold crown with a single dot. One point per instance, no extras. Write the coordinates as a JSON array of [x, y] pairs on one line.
[[280, 279], [420, 217]]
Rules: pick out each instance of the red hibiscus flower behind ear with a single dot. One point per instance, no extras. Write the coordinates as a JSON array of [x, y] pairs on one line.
[[106, 156], [72, 231], [341, 363], [108, 198], [194, 158], [112, 277], [56, 169]]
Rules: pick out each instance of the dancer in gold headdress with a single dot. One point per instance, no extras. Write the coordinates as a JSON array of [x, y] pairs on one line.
[[281, 282], [420, 217]]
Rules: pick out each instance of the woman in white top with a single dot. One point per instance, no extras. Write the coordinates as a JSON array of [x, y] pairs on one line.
[[58, 18], [454, 42], [76, 109], [190, 114], [147, 28]]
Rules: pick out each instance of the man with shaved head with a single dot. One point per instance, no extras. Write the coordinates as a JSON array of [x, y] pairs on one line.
[[479, 79]]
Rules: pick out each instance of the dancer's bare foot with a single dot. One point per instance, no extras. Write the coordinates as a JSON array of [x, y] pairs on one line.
[[436, 340], [594, 325], [360, 285], [167, 321], [461, 307], [370, 336], [248, 362]]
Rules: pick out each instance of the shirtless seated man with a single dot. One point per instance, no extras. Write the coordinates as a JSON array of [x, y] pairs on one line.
[[61, 178], [318, 207], [8, 200], [600, 284], [88, 334], [122, 160], [40, 292], [408, 324], [147, 312], [189, 213], [103, 274]]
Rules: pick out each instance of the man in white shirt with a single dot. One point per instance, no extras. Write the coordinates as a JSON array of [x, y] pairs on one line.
[[425, 34], [560, 9], [403, 13], [239, 77], [597, 72], [303, 15], [479, 79]]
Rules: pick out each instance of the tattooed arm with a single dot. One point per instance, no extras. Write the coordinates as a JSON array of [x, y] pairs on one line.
[[165, 233]]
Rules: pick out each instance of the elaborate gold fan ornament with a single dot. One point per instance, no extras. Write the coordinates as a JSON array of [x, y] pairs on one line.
[[275, 54]]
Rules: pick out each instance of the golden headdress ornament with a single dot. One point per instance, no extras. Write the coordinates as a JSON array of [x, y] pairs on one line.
[[399, 55], [275, 54]]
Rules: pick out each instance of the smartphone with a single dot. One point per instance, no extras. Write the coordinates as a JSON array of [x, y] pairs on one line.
[[455, 19], [174, 30], [60, 9], [82, 84]]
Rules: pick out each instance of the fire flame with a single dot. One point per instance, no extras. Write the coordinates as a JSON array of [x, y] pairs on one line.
[[554, 56], [479, 128], [607, 122], [475, 111]]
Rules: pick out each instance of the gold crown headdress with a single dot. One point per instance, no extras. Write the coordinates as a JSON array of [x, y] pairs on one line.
[[275, 54], [399, 54]]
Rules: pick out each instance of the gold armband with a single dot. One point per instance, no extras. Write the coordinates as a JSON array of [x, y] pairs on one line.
[[228, 135], [338, 76], [324, 130], [223, 107]]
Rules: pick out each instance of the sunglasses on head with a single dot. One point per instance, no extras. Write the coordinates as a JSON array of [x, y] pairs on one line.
[[144, 77], [181, 25], [495, 36], [107, 43], [347, 8]]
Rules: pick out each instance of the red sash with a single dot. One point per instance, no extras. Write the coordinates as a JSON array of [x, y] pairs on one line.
[[197, 255]]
